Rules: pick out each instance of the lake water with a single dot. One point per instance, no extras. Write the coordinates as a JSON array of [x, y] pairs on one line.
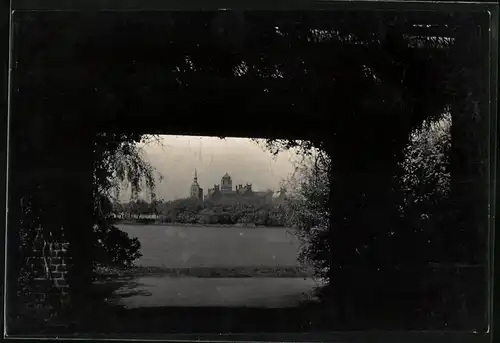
[[195, 246]]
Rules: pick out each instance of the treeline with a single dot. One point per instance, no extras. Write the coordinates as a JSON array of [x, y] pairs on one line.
[[188, 211]]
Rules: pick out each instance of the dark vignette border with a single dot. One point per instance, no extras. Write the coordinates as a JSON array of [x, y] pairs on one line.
[[143, 5], [494, 238], [5, 21], [156, 5]]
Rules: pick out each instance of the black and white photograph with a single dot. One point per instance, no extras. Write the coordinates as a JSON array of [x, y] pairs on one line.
[[249, 171]]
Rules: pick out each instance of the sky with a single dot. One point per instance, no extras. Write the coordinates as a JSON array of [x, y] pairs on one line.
[[177, 157]]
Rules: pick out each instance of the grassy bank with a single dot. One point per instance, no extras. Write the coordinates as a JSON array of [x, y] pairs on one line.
[[207, 272]]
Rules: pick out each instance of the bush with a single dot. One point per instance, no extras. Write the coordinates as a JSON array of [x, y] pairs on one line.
[[116, 248], [308, 213]]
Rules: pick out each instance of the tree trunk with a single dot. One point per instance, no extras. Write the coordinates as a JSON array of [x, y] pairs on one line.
[[361, 207], [467, 235]]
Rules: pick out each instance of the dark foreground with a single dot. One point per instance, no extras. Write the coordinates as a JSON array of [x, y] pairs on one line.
[[113, 319], [116, 321]]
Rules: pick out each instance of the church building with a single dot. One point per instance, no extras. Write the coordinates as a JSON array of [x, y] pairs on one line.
[[225, 190], [196, 191]]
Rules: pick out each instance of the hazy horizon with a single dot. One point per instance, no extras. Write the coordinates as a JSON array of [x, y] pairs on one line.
[[177, 157]]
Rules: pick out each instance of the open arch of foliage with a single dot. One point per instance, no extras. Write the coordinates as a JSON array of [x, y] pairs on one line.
[[330, 71]]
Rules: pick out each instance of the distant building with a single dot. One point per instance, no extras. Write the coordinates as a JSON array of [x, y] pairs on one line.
[[213, 191], [225, 190], [196, 192], [226, 184]]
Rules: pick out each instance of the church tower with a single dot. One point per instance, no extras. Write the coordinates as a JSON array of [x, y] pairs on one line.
[[196, 192]]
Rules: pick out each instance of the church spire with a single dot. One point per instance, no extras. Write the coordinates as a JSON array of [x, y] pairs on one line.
[[195, 175]]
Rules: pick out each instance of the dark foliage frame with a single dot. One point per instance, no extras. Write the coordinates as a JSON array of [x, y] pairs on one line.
[[130, 5]]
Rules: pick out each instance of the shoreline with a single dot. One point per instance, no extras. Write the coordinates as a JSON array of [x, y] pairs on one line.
[[108, 273], [242, 226]]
